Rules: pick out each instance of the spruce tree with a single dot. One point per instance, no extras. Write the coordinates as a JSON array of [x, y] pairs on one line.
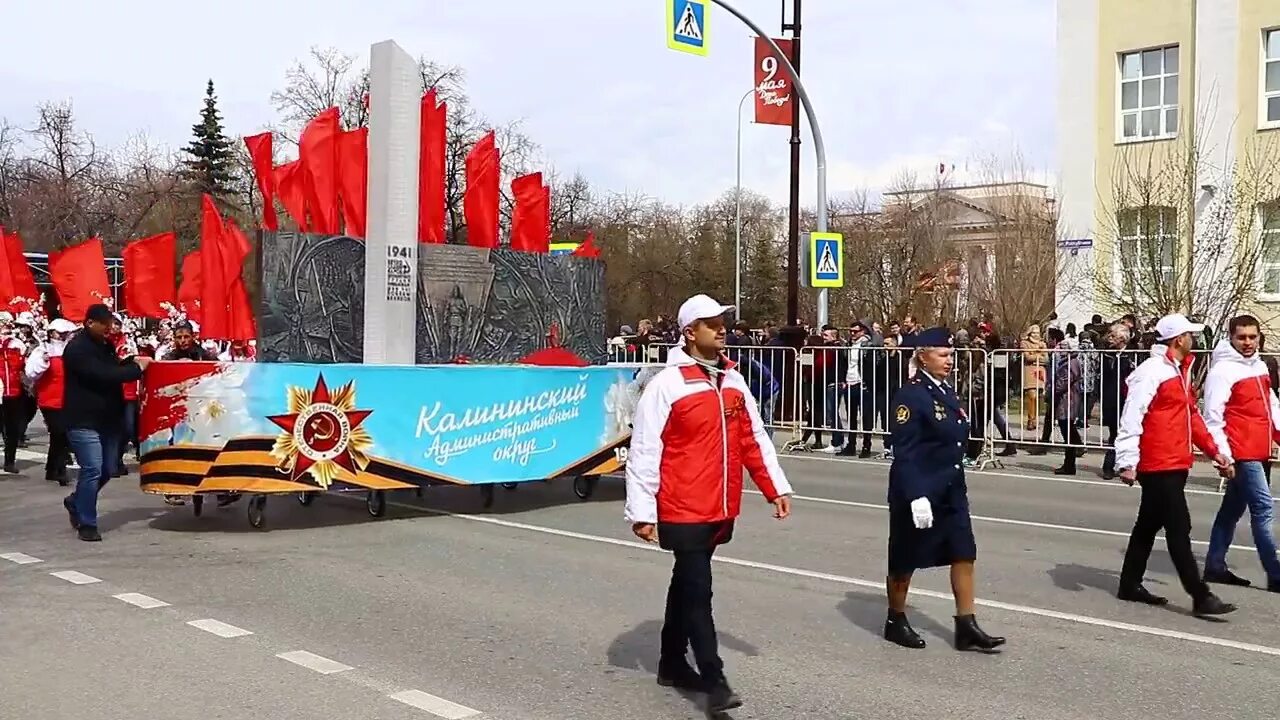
[[210, 167]]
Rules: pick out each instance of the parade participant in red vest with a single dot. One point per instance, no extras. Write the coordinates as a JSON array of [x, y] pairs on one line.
[[696, 430], [13, 353], [44, 370]]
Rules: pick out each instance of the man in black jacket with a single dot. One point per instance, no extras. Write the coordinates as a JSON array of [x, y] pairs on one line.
[[93, 412]]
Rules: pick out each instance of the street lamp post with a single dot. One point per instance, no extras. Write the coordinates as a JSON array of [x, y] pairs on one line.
[[819, 147], [737, 216]]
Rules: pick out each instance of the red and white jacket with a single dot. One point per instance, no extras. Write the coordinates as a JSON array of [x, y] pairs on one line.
[[13, 355], [691, 439], [1160, 420], [44, 371], [1241, 412]]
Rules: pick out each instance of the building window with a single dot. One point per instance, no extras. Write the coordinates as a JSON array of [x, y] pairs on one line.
[[1149, 94], [1271, 78], [1148, 245], [1269, 265]]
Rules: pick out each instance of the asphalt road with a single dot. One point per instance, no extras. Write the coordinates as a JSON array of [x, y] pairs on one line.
[[543, 608]]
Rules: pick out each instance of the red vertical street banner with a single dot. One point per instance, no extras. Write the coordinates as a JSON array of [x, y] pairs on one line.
[[149, 266], [431, 164], [290, 183], [79, 276], [318, 152], [23, 283], [189, 290], [774, 96], [260, 153], [529, 227], [480, 199], [353, 185]]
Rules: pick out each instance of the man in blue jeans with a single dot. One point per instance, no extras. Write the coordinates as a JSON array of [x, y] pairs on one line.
[[93, 413], [1243, 415]]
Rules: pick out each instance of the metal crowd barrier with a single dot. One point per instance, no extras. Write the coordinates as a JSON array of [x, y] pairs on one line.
[[1038, 401]]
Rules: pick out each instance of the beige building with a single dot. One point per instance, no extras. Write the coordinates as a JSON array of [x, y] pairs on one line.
[[1169, 155]]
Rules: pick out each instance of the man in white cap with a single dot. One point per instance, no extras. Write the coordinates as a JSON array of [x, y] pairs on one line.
[[1158, 426], [696, 428]]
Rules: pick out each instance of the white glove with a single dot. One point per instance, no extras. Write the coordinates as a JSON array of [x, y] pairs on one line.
[[922, 513]]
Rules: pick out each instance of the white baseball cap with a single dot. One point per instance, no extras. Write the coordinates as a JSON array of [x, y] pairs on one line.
[[1171, 326], [700, 307], [63, 325]]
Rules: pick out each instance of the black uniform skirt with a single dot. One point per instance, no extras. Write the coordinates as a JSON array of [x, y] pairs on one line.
[[950, 539]]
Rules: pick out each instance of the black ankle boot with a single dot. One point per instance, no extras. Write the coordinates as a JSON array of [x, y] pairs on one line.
[[898, 630], [971, 637]]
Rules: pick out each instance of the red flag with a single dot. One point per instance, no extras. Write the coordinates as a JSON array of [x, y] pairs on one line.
[[353, 165], [6, 277], [480, 201], [79, 275], [318, 152], [291, 187], [214, 283], [774, 97], [529, 225], [260, 152], [588, 247], [24, 284], [240, 320], [149, 266], [431, 164], [189, 290]]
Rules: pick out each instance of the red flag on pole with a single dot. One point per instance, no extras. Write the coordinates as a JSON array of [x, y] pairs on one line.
[[149, 266], [353, 167], [588, 247], [318, 152], [240, 320], [774, 96], [79, 275], [189, 290], [260, 152], [291, 187], [529, 230], [24, 283], [431, 164], [480, 201], [214, 283]]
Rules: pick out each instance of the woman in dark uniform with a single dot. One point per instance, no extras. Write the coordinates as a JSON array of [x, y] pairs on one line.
[[929, 522]]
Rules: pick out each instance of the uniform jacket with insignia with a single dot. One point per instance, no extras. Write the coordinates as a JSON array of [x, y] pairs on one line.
[[929, 432]]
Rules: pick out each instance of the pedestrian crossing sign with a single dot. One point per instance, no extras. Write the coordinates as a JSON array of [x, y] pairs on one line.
[[687, 26], [826, 260]]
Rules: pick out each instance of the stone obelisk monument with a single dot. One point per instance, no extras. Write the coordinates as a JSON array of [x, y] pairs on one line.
[[391, 248]]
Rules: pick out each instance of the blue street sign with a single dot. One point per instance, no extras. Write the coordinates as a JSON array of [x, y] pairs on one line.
[[826, 260], [687, 26]]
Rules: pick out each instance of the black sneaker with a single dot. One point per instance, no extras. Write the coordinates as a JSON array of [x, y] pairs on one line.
[[1140, 594], [1225, 577], [74, 516], [1273, 586], [89, 533], [680, 676], [721, 697], [1211, 605]]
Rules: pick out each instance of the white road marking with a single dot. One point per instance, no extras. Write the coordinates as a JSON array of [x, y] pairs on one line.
[[20, 558], [311, 661], [992, 473], [75, 578], [146, 602], [871, 584], [219, 628], [997, 520], [437, 706]]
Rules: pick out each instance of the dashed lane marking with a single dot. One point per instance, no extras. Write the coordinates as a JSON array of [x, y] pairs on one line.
[[75, 578], [146, 602], [219, 628], [20, 558], [311, 661], [437, 706]]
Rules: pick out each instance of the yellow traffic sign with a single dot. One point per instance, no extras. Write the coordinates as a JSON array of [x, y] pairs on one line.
[[826, 260], [687, 26]]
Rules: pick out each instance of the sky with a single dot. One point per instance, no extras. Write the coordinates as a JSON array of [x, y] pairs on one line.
[[896, 85]]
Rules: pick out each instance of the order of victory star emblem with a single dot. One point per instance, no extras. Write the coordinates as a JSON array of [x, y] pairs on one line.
[[322, 433]]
